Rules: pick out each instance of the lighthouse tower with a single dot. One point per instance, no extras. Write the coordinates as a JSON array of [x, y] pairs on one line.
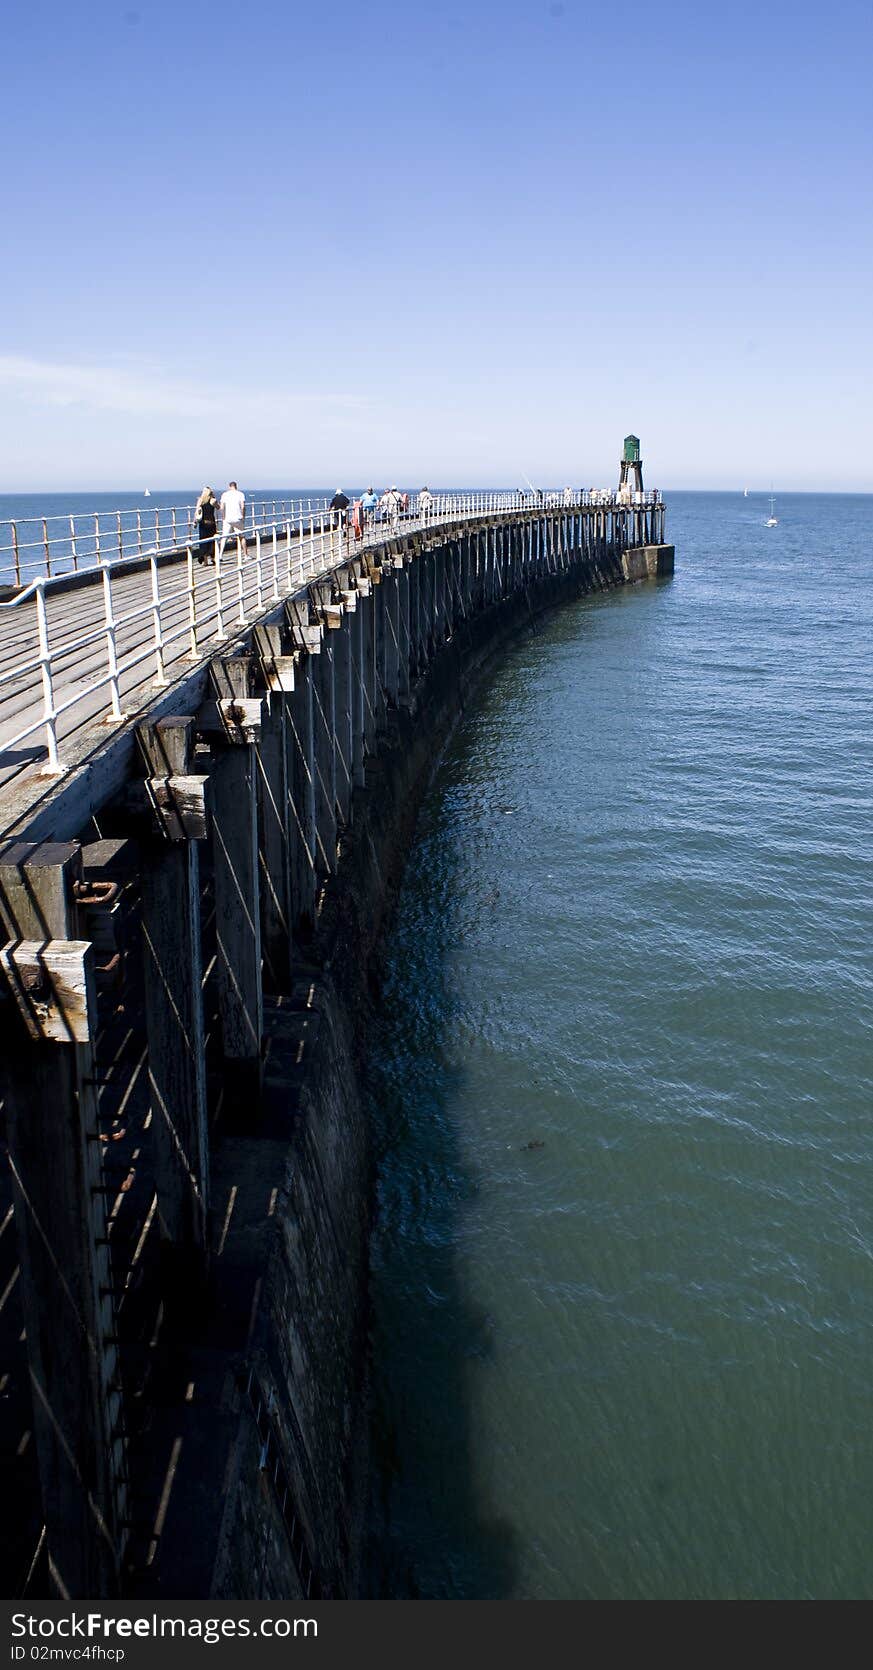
[[631, 479]]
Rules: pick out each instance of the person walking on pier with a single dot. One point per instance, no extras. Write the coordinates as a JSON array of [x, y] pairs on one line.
[[390, 507], [204, 525], [233, 515], [339, 504], [369, 502], [425, 504]]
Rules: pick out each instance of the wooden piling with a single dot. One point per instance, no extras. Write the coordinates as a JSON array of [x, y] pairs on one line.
[[173, 975], [357, 695], [392, 637], [325, 758], [55, 1155], [341, 648], [274, 844], [301, 796], [234, 839]]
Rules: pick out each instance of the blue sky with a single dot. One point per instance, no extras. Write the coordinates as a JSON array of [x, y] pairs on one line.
[[454, 243]]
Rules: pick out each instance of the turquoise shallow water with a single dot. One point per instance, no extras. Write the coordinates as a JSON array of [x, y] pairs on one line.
[[636, 929]]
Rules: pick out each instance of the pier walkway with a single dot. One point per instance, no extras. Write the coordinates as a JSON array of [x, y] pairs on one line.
[[88, 646]]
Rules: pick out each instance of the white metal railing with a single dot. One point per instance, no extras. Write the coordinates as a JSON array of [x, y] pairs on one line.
[[74, 672], [49, 547]]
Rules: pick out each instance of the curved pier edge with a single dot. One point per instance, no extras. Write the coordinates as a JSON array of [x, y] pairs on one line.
[[308, 1354], [192, 920]]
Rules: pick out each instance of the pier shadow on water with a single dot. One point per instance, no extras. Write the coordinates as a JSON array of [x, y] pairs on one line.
[[430, 1532]]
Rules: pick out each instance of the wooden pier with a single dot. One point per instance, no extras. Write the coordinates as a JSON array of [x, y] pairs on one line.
[[187, 908]]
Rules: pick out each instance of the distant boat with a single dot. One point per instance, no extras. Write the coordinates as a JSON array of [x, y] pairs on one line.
[[745, 492], [147, 493], [772, 520]]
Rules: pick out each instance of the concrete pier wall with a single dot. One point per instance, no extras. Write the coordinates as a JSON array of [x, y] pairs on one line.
[[256, 839], [648, 562]]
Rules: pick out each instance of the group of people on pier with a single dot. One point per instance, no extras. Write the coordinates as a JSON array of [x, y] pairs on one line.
[[363, 513], [373, 507], [232, 505]]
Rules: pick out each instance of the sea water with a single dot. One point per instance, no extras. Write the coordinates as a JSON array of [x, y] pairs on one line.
[[622, 1278]]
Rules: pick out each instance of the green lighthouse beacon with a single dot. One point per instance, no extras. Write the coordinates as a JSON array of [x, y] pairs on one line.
[[631, 478]]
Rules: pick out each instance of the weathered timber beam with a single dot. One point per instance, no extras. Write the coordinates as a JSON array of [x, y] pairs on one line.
[[233, 829], [301, 799], [55, 1155], [52, 982], [325, 764], [274, 837], [341, 650], [173, 980]]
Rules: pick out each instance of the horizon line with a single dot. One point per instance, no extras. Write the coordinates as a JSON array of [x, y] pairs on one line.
[[454, 486]]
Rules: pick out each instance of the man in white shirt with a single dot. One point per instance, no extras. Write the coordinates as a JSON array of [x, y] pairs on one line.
[[233, 515]]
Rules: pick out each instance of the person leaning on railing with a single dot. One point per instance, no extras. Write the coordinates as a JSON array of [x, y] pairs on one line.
[[204, 524]]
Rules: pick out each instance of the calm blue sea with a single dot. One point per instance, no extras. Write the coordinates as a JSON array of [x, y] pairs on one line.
[[623, 1093], [33, 506]]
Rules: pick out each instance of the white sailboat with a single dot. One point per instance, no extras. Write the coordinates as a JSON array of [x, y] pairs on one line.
[[147, 494], [772, 520], [745, 492]]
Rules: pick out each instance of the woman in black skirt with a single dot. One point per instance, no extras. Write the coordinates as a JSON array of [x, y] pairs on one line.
[[204, 525]]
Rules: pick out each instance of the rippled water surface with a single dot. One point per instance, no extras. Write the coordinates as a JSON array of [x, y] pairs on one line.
[[623, 1269]]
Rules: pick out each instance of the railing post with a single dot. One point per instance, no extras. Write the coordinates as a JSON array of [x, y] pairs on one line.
[[219, 598], [73, 544], [97, 539], [111, 653], [53, 767], [259, 583], [48, 555], [160, 675], [120, 534], [15, 554], [192, 605], [239, 580]]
